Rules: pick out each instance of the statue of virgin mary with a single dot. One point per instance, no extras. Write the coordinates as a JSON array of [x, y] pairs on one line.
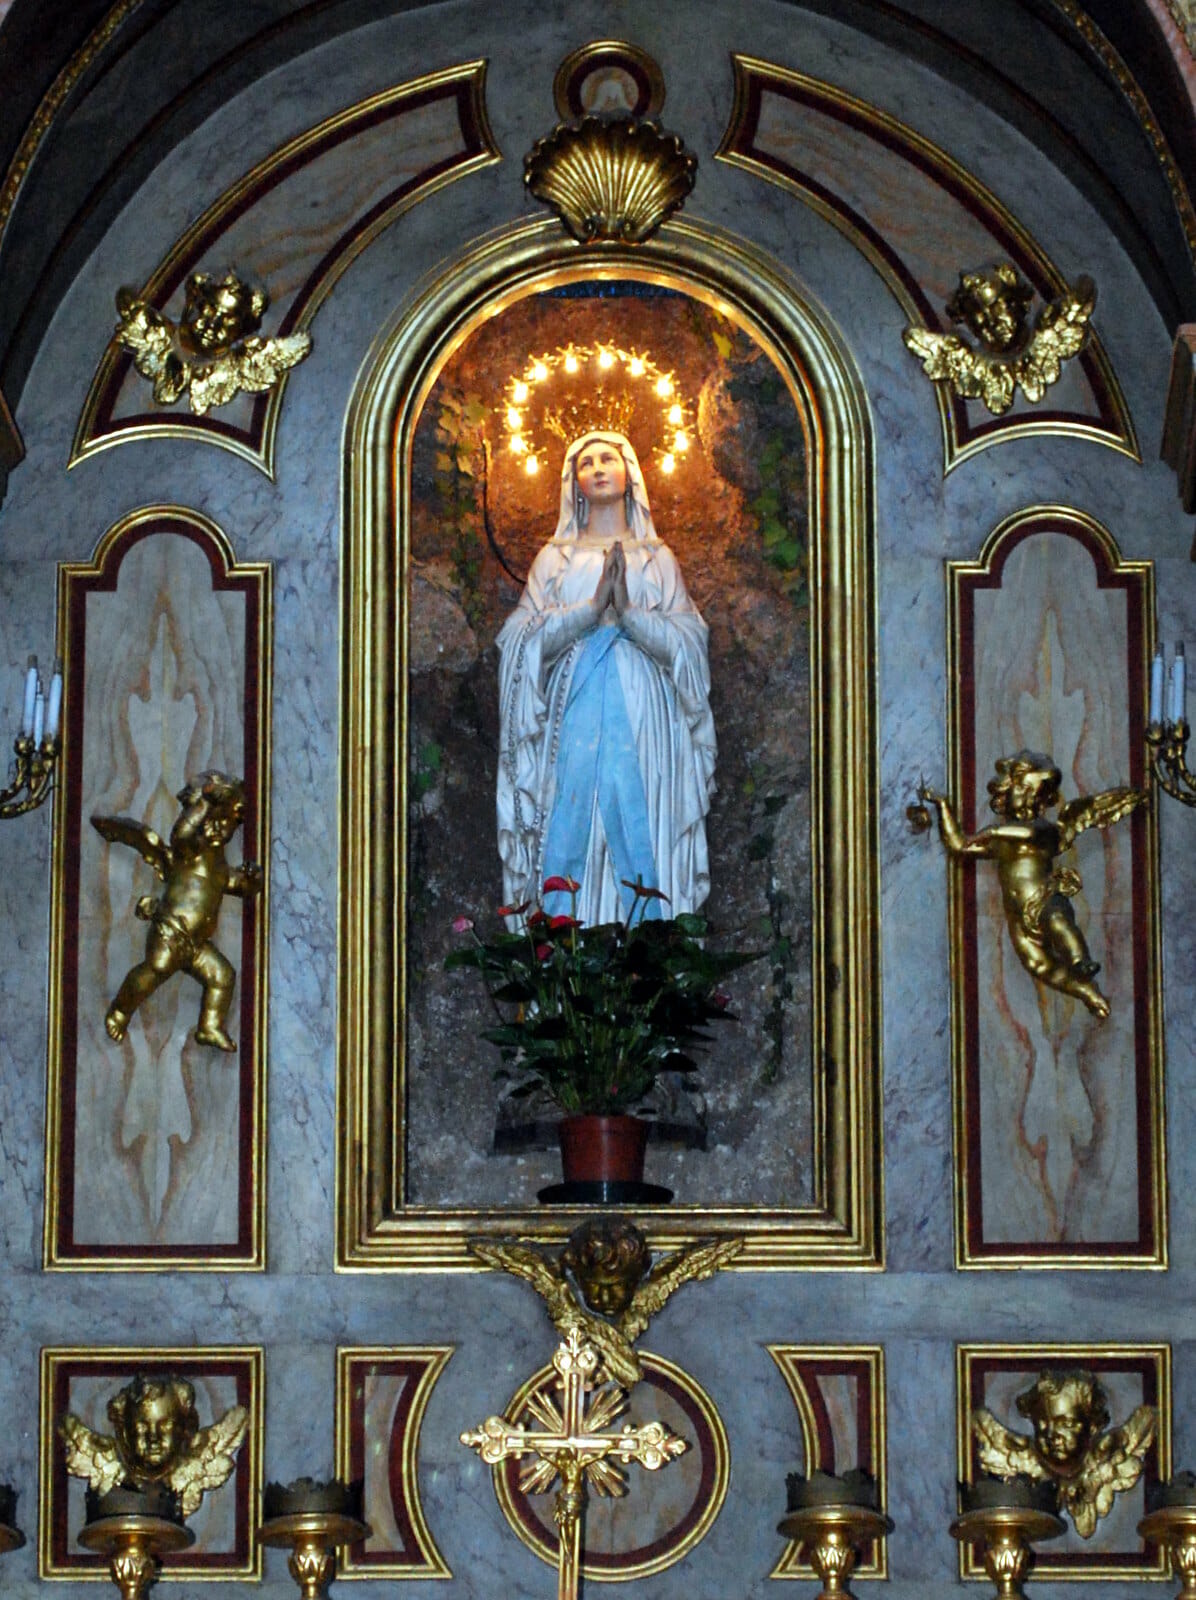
[[606, 764]]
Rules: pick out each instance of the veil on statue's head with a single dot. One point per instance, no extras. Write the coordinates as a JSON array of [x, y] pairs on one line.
[[572, 519]]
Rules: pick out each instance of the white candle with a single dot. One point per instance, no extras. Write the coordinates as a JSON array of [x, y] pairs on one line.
[[54, 708], [1156, 686], [39, 717], [30, 696], [1179, 688]]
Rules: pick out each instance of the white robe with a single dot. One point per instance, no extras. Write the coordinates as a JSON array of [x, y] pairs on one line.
[[665, 676]]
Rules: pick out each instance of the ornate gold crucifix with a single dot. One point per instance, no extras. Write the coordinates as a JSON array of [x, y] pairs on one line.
[[572, 1446]]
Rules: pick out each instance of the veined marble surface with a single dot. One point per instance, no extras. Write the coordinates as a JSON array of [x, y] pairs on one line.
[[300, 1310]]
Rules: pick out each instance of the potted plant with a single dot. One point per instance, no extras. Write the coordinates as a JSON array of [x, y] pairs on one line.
[[592, 1015]]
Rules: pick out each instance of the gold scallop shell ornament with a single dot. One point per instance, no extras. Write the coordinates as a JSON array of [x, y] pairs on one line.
[[610, 177]]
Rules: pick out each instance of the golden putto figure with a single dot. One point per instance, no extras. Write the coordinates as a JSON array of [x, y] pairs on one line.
[[994, 304], [1088, 1466], [214, 352], [603, 1284], [182, 920], [1036, 893], [156, 1439]]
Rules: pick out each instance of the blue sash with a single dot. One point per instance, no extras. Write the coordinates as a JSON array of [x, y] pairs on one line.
[[597, 756]]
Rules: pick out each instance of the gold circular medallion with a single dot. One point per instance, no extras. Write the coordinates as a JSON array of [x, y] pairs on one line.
[[664, 1514]]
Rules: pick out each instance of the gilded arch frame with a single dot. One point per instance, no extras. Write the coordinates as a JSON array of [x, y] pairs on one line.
[[843, 1226]]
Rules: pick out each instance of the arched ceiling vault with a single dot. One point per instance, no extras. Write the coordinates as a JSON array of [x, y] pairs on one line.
[[1097, 87]]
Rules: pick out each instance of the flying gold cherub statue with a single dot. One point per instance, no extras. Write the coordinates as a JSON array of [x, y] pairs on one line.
[[182, 920], [618, 1291], [1088, 1467], [994, 304], [1025, 844], [219, 325], [156, 1438]]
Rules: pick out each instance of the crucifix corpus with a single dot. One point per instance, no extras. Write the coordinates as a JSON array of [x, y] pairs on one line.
[[572, 1446]]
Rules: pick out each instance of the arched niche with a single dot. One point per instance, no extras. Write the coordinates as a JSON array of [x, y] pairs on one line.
[[841, 1222]]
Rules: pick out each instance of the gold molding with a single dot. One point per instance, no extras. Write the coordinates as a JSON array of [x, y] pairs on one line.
[[437, 1357], [471, 74], [790, 1563], [955, 573], [52, 103], [1112, 61], [375, 1228], [892, 130], [259, 849], [610, 178], [145, 1358], [588, 58], [1053, 1565], [718, 1491]]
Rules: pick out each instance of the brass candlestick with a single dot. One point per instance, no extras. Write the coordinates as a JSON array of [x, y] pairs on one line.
[[1006, 1520], [1170, 1522], [312, 1519], [834, 1519], [134, 1528]]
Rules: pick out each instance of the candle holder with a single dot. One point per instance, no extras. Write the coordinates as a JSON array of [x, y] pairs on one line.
[[1006, 1519], [37, 746], [1166, 745], [11, 1537], [134, 1528], [312, 1519], [833, 1519], [1170, 1522]]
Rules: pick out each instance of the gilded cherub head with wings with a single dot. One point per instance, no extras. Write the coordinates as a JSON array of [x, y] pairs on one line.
[[1070, 1447], [156, 1439]]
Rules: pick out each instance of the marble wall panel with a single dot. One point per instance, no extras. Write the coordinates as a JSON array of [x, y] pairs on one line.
[[992, 1377], [155, 1140], [83, 1383], [1058, 1112], [381, 1398]]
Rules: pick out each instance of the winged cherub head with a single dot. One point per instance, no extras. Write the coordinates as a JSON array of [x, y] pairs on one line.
[[608, 1259], [994, 303], [218, 312], [1068, 1410], [1026, 786], [154, 1422]]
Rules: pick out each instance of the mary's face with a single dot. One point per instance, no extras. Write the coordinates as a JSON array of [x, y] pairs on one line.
[[601, 473]]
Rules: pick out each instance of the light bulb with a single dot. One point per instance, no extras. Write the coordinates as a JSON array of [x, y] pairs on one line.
[[531, 466], [675, 415], [664, 387], [605, 359], [513, 417], [681, 443], [667, 463], [517, 446], [570, 362], [539, 372], [636, 368], [520, 392]]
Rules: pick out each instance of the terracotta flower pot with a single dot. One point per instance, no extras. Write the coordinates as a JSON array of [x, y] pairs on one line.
[[603, 1149]]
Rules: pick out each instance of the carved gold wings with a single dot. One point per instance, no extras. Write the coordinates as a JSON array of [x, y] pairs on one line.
[[547, 1278], [148, 845], [1113, 1464], [698, 1261], [977, 374], [208, 1463], [252, 366], [1096, 811], [90, 1455], [210, 1460], [249, 366], [1002, 1452]]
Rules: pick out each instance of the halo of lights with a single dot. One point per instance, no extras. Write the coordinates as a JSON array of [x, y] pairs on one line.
[[600, 387]]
